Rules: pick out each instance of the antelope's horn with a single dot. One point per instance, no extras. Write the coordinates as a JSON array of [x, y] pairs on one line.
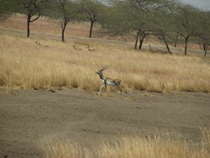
[[105, 67]]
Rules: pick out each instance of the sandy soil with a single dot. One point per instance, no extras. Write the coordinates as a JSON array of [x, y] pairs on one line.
[[29, 119]]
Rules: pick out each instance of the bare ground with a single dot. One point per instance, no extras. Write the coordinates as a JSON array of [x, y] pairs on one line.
[[29, 119]]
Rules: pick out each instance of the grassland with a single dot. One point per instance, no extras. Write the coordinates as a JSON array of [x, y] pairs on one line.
[[53, 64], [27, 65]]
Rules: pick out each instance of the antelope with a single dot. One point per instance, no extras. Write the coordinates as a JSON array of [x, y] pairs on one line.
[[90, 49], [108, 81], [41, 45], [38, 43], [76, 48]]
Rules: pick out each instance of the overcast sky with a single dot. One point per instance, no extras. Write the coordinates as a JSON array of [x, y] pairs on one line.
[[203, 4]]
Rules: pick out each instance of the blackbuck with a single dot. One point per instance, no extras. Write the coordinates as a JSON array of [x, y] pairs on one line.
[[38, 43], [41, 45], [108, 81], [76, 48], [90, 49]]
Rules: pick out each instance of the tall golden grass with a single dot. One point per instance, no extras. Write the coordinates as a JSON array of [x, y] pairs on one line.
[[27, 65], [156, 146]]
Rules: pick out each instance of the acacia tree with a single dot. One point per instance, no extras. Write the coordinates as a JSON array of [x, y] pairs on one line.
[[204, 35], [153, 18], [31, 8], [140, 11], [65, 11], [124, 19], [92, 11], [187, 22], [163, 23], [135, 17]]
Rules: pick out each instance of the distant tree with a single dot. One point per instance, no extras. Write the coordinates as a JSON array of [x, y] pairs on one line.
[[151, 18], [204, 35], [31, 8], [187, 22], [163, 22], [136, 17], [92, 11], [124, 19], [140, 12], [65, 11]]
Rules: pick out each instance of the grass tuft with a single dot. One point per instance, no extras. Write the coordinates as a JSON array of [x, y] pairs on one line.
[[155, 146]]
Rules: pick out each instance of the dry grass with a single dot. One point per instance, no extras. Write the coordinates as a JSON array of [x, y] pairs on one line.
[[27, 65], [156, 146]]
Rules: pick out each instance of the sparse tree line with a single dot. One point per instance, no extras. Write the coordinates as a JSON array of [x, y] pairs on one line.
[[168, 20]]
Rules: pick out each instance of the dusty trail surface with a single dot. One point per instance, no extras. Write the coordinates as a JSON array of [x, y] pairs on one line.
[[28, 119]]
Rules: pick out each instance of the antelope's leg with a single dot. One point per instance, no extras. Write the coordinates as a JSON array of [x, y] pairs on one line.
[[106, 88], [120, 90], [118, 87], [101, 89]]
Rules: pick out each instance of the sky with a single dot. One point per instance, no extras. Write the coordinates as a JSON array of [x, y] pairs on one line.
[[202, 4]]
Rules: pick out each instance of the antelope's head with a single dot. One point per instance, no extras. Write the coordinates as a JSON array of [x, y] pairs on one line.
[[104, 68]]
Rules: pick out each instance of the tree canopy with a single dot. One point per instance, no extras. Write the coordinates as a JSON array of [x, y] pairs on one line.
[[164, 19]]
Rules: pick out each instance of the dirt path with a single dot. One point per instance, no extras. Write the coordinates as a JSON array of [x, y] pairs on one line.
[[28, 119]]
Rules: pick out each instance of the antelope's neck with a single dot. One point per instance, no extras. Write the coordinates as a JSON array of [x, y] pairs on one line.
[[101, 76]]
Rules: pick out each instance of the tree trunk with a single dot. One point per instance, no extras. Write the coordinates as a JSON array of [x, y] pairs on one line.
[[141, 40], [136, 43], [204, 46], [29, 21], [166, 45], [206, 50], [186, 41], [91, 28], [28, 25], [63, 30], [176, 39], [205, 53]]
